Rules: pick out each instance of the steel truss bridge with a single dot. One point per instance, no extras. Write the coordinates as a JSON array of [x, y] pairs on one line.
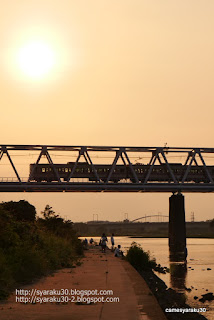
[[151, 157]]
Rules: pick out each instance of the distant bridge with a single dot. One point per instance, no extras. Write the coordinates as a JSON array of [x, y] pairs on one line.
[[108, 169], [159, 217]]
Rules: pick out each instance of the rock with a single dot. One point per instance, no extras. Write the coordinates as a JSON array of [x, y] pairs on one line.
[[207, 296], [188, 289], [168, 296], [160, 269]]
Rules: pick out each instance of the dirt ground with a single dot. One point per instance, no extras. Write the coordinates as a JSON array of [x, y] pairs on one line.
[[98, 271]]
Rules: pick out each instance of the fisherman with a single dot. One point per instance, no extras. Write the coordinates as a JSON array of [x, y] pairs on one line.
[[118, 252], [103, 241], [112, 242]]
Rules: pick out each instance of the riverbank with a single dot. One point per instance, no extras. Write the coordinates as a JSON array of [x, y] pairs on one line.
[[138, 293], [142, 229], [172, 303], [169, 298], [98, 271]]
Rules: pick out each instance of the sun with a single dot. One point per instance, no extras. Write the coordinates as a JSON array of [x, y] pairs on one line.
[[36, 59]]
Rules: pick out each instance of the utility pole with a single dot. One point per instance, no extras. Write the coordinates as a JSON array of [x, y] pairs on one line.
[[192, 217], [95, 214]]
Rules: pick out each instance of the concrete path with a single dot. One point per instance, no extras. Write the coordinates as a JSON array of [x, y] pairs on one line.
[[98, 271]]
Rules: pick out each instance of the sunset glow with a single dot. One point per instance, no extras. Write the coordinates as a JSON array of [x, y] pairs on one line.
[[36, 59]]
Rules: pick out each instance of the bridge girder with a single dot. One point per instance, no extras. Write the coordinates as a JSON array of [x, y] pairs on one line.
[[158, 155]]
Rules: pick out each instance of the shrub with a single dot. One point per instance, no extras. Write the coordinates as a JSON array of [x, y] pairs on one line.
[[22, 210], [29, 249], [140, 259]]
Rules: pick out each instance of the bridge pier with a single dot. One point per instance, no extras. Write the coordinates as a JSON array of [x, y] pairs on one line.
[[177, 228]]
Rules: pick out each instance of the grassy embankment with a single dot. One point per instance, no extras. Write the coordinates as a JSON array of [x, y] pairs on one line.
[[31, 247]]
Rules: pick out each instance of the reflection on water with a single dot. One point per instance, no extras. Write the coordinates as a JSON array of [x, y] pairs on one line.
[[178, 273]]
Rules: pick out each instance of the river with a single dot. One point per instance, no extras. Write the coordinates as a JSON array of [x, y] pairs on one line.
[[197, 277]]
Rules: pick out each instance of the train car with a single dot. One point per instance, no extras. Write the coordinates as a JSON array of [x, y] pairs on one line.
[[46, 172], [159, 173]]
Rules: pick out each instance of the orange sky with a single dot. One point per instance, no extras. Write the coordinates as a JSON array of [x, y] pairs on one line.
[[136, 73]]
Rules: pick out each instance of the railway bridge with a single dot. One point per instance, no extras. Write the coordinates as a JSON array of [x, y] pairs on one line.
[[58, 168]]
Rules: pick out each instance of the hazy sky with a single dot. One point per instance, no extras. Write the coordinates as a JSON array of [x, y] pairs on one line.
[[136, 73]]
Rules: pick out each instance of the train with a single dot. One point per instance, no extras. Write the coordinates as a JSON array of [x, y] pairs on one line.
[[159, 173]]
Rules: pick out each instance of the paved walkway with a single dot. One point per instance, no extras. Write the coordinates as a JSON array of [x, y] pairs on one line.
[[98, 271]]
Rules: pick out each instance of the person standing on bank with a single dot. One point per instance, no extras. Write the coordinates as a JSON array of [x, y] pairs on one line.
[[103, 242], [112, 242]]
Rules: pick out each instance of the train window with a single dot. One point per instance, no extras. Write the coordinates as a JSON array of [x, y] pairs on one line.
[[66, 169], [43, 169], [59, 169], [89, 170], [69, 169]]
